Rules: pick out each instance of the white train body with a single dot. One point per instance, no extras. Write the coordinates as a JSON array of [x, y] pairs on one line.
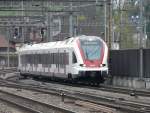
[[74, 58]]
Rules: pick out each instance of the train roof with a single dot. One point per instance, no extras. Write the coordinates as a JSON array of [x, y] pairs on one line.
[[68, 43]]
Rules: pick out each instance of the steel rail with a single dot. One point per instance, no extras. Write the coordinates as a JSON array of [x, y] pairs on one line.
[[9, 70], [84, 1], [123, 90], [27, 103], [27, 109], [114, 89], [121, 104], [109, 88]]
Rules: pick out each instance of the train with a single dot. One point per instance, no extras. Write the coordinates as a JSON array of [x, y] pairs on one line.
[[81, 58]]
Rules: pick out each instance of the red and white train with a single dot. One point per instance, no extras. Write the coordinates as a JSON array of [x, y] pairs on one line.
[[78, 58]]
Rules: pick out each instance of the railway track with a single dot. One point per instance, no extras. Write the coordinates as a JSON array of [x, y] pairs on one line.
[[93, 107], [8, 70], [123, 90], [109, 88], [30, 105], [115, 103]]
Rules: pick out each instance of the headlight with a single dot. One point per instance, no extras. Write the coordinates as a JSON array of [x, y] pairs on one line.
[[102, 65], [83, 65]]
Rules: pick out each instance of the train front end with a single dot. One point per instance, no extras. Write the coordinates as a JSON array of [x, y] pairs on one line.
[[93, 52]]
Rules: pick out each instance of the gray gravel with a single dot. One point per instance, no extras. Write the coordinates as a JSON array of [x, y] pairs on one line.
[[7, 108], [57, 101], [49, 99], [89, 91]]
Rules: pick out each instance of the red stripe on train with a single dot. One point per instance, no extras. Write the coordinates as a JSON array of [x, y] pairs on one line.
[[91, 63]]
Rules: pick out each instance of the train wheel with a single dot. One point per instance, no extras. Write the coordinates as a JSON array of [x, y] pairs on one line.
[[97, 83], [24, 76], [69, 76]]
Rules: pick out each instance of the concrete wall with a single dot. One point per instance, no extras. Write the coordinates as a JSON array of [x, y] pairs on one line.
[[131, 82]]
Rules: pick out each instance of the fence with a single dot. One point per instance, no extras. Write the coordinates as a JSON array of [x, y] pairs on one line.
[[13, 60], [127, 63]]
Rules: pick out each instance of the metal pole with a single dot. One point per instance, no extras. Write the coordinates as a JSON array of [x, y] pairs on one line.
[[120, 11], [141, 24], [71, 21], [145, 35], [22, 8], [113, 35], [110, 23], [75, 27], [141, 39], [48, 23], [49, 38], [105, 20], [141, 63], [8, 57]]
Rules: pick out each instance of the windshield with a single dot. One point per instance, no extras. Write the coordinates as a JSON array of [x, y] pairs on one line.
[[91, 49]]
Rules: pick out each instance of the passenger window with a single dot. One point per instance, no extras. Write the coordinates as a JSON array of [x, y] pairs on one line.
[[74, 59]]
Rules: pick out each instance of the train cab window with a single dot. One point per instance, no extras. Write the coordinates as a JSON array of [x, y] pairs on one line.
[[44, 60], [74, 59]]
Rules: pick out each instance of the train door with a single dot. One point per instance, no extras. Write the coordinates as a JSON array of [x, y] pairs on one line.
[[50, 62], [74, 58], [19, 61], [74, 63], [70, 61], [64, 61]]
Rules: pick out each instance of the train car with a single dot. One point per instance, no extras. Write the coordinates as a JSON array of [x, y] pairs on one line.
[[81, 58]]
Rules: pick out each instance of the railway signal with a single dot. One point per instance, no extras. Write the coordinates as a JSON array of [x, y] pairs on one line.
[[42, 32], [16, 33]]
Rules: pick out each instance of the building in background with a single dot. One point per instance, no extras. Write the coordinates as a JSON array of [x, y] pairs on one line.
[[7, 50]]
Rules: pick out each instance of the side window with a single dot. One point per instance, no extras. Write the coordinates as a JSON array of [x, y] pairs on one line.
[[74, 59], [21, 59], [36, 59], [66, 58], [40, 58], [31, 55], [52, 58], [44, 60], [26, 60]]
